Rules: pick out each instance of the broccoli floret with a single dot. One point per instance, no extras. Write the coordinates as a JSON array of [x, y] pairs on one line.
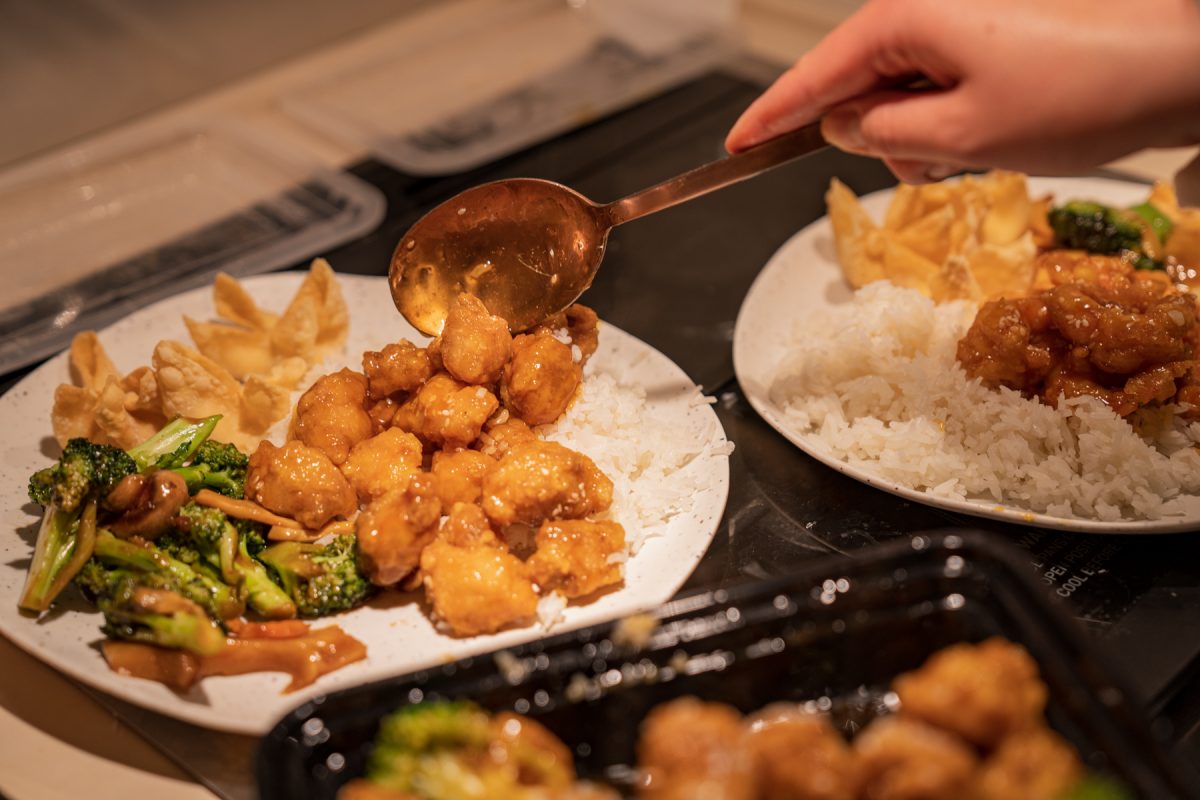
[[1094, 227], [1097, 228], [428, 749], [205, 535], [71, 491], [144, 607], [439, 749], [83, 470], [261, 592], [64, 544], [1159, 222], [320, 579], [217, 466], [85, 473], [207, 530], [189, 575], [254, 535], [436, 726]]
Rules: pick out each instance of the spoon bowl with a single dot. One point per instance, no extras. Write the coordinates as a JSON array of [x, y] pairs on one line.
[[528, 248]]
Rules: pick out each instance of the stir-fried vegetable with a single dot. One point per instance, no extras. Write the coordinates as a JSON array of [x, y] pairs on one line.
[[320, 579], [1137, 233], [73, 492]]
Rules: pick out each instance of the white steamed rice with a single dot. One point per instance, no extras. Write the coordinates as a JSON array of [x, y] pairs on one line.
[[877, 382], [642, 449]]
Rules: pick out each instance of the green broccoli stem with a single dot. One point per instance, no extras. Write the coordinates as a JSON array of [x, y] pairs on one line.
[[227, 553], [160, 617], [190, 632], [196, 634], [174, 444], [194, 582], [65, 543], [202, 476], [262, 594]]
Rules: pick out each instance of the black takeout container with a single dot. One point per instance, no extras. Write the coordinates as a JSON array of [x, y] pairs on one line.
[[833, 635]]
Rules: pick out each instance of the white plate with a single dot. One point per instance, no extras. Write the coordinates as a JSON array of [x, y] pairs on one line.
[[398, 633], [804, 277]]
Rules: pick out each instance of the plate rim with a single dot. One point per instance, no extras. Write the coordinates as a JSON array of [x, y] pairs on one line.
[[772, 414]]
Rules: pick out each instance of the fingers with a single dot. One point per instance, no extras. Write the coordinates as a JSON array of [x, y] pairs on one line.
[[903, 126], [841, 66]]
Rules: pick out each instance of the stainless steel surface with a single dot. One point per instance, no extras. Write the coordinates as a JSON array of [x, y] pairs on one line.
[[529, 248]]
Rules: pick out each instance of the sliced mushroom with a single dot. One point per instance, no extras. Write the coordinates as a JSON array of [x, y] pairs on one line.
[[149, 516], [126, 493]]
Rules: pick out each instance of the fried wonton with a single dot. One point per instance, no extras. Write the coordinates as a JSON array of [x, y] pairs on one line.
[[247, 340], [859, 246], [244, 367], [316, 321], [964, 239]]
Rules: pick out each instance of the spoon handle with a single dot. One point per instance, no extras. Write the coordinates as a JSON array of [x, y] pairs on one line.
[[716, 174]]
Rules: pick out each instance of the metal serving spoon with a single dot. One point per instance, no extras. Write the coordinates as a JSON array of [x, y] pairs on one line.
[[529, 248]]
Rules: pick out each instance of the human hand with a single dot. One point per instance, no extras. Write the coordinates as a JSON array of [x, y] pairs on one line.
[[1043, 86]]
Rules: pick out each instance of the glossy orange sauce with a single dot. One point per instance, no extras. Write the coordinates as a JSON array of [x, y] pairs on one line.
[[303, 654]]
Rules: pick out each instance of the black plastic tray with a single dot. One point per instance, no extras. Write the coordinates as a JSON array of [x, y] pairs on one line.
[[836, 634]]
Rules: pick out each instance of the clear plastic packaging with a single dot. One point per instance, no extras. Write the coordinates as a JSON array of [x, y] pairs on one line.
[[95, 232], [508, 81]]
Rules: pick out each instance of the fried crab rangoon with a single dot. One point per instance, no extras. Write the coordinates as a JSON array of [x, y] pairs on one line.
[[967, 239], [235, 370]]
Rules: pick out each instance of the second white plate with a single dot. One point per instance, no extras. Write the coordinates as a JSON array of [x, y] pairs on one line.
[[804, 277]]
